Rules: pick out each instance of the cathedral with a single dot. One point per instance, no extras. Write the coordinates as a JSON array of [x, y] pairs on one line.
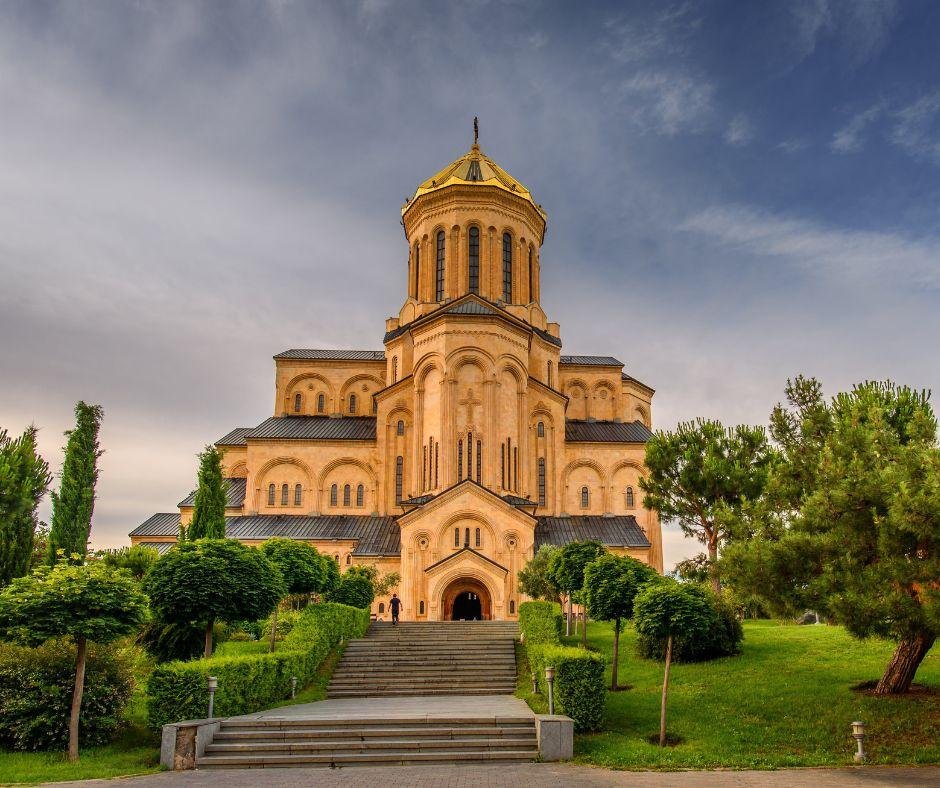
[[470, 440]]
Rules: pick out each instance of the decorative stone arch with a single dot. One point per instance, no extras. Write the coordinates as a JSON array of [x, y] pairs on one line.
[[585, 462], [619, 466], [271, 464], [580, 385], [596, 389], [332, 465], [238, 471], [509, 363], [442, 584], [460, 357], [445, 531], [642, 413], [297, 379], [427, 364], [346, 390]]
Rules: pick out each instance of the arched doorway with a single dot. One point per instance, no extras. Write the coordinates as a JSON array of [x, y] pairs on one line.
[[466, 599]]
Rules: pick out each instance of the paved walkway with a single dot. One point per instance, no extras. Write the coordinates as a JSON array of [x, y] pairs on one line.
[[410, 708], [524, 775]]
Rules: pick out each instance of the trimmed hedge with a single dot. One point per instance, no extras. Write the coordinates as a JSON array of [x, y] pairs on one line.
[[579, 682], [540, 622], [178, 690]]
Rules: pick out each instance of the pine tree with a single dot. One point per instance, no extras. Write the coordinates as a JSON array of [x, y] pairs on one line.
[[74, 504], [24, 479], [209, 507]]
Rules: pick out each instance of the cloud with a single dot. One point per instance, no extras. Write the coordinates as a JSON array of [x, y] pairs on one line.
[[669, 102], [848, 139], [793, 145], [917, 128], [858, 28], [739, 131]]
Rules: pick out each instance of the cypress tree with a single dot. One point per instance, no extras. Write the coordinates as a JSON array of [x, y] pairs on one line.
[[24, 479], [209, 507], [74, 504]]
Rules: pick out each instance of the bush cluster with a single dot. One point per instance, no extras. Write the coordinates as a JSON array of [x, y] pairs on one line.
[[36, 694], [178, 690], [579, 674], [286, 619]]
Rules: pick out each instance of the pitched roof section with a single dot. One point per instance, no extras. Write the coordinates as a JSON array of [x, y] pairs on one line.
[[469, 307], [590, 361], [552, 340], [606, 432], [619, 531], [162, 524], [630, 379], [315, 428], [234, 496], [235, 438], [465, 549], [160, 547], [307, 354]]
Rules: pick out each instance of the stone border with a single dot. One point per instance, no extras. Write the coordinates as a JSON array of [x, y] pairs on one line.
[[555, 734], [182, 743]]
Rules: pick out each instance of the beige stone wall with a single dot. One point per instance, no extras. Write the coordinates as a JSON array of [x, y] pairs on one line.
[[336, 381]]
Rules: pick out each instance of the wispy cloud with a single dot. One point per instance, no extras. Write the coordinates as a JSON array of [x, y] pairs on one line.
[[848, 139], [858, 28], [740, 131], [669, 102], [917, 128]]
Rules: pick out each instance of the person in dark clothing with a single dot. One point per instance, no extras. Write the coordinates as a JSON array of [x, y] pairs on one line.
[[395, 605]]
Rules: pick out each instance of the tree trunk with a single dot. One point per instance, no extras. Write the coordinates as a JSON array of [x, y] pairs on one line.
[[81, 646], [614, 679], [904, 662], [207, 651], [273, 627], [584, 626], [662, 709], [713, 563], [568, 621]]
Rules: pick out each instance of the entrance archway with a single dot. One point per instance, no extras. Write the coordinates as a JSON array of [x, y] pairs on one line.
[[466, 598]]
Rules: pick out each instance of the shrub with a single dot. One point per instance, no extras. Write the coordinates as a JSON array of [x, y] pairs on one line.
[[36, 694], [184, 641], [540, 622], [178, 690], [722, 637], [579, 682], [285, 623], [354, 589]]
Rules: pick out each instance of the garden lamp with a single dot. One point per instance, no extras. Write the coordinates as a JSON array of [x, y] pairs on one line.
[[550, 678], [213, 686], [858, 733]]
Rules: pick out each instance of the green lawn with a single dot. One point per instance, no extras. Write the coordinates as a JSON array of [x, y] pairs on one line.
[[787, 700]]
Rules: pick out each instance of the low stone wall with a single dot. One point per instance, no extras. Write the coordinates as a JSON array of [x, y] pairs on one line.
[[555, 733], [183, 742]]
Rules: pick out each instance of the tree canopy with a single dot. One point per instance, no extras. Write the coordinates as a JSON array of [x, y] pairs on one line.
[[535, 577], [566, 569], [209, 506], [299, 563], [137, 560], [354, 589]]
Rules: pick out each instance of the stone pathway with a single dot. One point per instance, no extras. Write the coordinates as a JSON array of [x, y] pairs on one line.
[[527, 774], [401, 708]]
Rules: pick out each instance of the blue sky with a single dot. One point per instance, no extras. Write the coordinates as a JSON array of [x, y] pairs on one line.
[[737, 193]]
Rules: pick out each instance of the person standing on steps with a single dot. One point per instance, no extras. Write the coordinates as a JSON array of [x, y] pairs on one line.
[[395, 605]]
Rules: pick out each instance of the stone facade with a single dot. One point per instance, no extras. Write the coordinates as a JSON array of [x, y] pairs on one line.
[[470, 440]]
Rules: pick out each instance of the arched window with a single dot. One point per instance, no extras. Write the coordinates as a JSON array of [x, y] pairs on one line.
[[476, 537], [417, 282], [456, 537], [507, 268], [459, 460], [585, 498], [421, 607], [439, 275], [394, 369], [551, 375], [399, 477], [541, 481], [512, 607], [298, 494], [473, 259], [466, 537], [400, 429], [630, 498], [381, 607], [531, 277], [479, 462], [360, 496], [297, 402], [436, 458], [352, 403], [285, 495], [271, 494], [541, 429], [333, 496], [336, 558], [347, 495], [321, 403], [502, 465], [348, 559]]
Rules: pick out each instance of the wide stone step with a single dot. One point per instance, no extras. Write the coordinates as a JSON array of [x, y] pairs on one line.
[[403, 692], [403, 757], [363, 734], [371, 745]]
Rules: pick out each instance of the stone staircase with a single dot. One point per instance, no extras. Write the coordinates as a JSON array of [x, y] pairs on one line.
[[428, 658], [266, 743]]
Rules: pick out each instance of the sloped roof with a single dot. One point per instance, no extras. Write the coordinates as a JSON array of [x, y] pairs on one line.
[[606, 432], [470, 307], [465, 549], [590, 361], [160, 547], [235, 438], [161, 524], [325, 428], [308, 354], [552, 340], [234, 497], [629, 378], [617, 531]]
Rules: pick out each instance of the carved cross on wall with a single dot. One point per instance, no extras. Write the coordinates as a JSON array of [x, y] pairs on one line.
[[469, 403]]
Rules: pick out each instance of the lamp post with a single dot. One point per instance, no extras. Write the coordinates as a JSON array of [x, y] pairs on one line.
[[535, 684], [550, 678], [858, 733], [293, 687], [213, 686]]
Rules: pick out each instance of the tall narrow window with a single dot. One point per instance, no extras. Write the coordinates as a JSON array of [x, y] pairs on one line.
[[347, 495], [507, 268], [394, 369], [541, 429], [466, 538], [348, 559], [298, 494], [502, 465], [271, 494], [399, 477], [334, 498], [321, 403], [360, 496], [551, 375], [439, 275], [531, 277], [417, 285], [541, 481], [585, 498], [459, 460], [512, 607], [456, 537], [421, 608], [469, 455], [297, 402], [630, 499], [479, 462], [352, 403], [400, 429], [424, 471], [436, 457], [476, 537], [515, 468], [285, 494], [473, 259], [509, 474]]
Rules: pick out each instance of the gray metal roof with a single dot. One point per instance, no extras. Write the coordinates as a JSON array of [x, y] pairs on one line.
[[606, 432], [591, 361], [547, 337], [162, 524], [160, 547], [470, 307], [234, 497], [631, 379], [618, 531], [235, 438], [308, 354], [322, 428], [518, 500]]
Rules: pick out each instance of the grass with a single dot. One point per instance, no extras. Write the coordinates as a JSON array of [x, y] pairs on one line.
[[787, 700]]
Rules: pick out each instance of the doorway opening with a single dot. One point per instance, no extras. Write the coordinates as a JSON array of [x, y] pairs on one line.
[[466, 599], [467, 607]]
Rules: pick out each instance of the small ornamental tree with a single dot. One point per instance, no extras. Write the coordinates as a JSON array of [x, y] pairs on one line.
[[610, 585], [74, 503], [24, 480], [665, 609], [137, 560], [354, 589], [535, 578], [700, 476], [209, 506], [213, 580], [300, 567], [567, 571], [89, 602], [331, 574]]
